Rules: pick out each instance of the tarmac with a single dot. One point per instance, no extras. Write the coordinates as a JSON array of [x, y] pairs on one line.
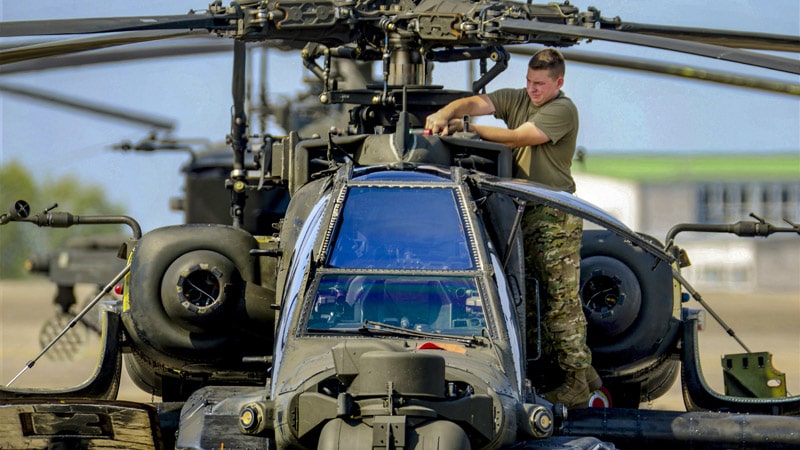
[[764, 322]]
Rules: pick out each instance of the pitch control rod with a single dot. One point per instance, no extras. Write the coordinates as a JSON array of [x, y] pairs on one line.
[[74, 321]]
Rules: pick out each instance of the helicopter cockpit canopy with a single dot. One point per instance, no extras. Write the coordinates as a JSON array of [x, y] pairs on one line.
[[382, 268], [379, 227]]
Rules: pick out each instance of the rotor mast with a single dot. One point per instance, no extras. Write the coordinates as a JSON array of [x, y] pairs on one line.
[[404, 63]]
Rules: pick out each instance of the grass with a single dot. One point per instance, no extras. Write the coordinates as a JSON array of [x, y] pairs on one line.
[[692, 167]]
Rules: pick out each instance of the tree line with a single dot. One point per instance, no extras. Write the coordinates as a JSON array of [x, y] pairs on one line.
[[20, 241]]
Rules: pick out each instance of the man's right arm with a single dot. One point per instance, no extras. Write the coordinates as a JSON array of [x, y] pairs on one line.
[[476, 105]]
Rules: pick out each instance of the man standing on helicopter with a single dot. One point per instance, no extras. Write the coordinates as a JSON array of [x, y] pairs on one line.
[[542, 129]]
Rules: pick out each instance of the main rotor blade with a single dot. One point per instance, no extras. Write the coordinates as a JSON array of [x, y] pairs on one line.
[[196, 43], [56, 48], [115, 24], [695, 48], [678, 70], [85, 106], [725, 38], [122, 54]]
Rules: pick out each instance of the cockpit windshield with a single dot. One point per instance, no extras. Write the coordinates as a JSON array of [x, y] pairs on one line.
[[439, 304], [405, 228], [400, 255]]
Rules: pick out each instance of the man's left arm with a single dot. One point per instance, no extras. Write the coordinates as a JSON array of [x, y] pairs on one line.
[[550, 124], [526, 134]]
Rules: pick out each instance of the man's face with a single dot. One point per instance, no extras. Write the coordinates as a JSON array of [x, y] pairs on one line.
[[542, 87]]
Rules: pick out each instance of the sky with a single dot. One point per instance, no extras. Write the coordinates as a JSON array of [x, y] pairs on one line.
[[620, 110]]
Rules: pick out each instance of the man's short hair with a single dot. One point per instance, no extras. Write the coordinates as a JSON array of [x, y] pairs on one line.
[[548, 59]]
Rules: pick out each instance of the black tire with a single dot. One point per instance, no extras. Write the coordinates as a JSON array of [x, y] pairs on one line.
[[633, 337], [611, 296], [644, 387], [660, 382], [147, 320]]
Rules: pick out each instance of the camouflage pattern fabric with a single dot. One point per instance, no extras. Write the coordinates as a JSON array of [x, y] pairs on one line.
[[552, 255]]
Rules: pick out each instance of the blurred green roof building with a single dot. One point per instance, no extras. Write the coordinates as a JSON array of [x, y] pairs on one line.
[[653, 192]]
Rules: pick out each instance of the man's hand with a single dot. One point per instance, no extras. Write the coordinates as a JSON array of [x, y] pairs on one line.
[[444, 128], [449, 119], [454, 125], [438, 123]]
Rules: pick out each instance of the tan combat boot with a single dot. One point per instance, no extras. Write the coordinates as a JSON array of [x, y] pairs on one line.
[[573, 393], [593, 380]]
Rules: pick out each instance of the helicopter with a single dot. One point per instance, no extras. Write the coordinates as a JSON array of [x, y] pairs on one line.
[[347, 328]]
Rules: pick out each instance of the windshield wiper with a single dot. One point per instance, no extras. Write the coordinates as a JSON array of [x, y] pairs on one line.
[[400, 331], [330, 330]]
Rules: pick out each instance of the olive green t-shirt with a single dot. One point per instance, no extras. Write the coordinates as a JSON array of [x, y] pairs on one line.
[[547, 163]]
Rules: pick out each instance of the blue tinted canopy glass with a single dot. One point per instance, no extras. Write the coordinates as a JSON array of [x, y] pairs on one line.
[[406, 228], [438, 304]]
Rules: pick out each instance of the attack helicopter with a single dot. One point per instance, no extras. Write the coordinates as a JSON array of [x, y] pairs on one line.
[[348, 327]]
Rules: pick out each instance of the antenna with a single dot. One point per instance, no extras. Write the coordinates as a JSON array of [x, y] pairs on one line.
[[238, 136], [402, 131]]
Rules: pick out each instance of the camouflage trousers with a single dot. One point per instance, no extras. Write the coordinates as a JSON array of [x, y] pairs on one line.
[[552, 240]]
